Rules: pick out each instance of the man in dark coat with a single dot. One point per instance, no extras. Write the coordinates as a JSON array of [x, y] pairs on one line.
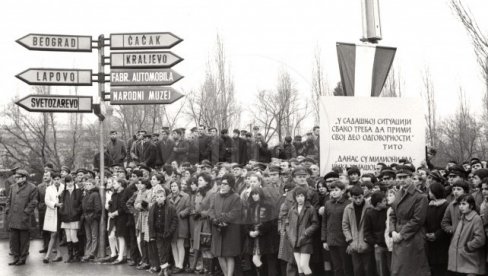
[[165, 148], [193, 151], [239, 149], [225, 146], [116, 151], [214, 146], [149, 151], [180, 147], [136, 148], [407, 218], [41, 208], [203, 144], [21, 202]]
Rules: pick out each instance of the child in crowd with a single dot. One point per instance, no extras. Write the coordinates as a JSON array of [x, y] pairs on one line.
[[374, 231], [301, 223], [437, 241], [332, 236], [353, 228], [452, 215], [466, 252], [390, 198], [162, 226]]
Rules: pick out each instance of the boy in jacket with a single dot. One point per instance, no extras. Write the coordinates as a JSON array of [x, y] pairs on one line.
[[162, 225], [374, 231], [333, 238]]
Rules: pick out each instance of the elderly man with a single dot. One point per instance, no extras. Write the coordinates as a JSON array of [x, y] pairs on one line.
[[21, 202]]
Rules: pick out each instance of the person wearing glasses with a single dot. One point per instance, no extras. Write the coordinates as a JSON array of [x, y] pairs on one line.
[[21, 202]]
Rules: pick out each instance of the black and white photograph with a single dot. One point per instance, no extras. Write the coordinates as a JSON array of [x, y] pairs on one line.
[[244, 138]]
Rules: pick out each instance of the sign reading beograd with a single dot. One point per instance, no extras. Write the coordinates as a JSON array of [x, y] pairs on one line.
[[366, 131]]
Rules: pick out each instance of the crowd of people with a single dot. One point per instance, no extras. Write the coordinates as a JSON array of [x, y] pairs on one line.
[[220, 205]]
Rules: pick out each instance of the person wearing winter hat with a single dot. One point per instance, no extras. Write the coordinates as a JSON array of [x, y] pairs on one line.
[[437, 242]]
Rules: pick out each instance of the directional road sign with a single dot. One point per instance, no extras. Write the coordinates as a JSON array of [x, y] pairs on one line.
[[138, 77], [56, 103], [158, 59], [49, 76], [48, 42], [143, 41], [143, 95]]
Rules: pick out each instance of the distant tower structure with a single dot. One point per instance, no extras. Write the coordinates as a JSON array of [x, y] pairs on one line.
[[370, 13]]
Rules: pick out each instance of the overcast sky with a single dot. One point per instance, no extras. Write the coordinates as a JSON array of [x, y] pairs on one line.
[[261, 37]]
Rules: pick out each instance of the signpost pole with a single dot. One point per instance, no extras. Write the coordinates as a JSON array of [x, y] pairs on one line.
[[101, 88]]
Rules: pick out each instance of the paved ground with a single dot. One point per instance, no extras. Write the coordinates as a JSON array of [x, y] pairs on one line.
[[35, 266]]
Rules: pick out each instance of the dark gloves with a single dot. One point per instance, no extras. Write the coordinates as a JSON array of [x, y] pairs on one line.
[[144, 204]]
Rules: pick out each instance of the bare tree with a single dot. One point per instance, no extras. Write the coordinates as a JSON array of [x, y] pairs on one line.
[[280, 112], [478, 39], [459, 134], [428, 93], [319, 84], [215, 104], [393, 84]]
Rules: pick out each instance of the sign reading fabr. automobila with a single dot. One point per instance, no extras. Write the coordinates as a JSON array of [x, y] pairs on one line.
[[65, 43], [143, 95], [366, 131], [139, 77], [56, 103]]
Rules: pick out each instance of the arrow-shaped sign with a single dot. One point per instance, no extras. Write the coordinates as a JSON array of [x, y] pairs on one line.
[[138, 77], [143, 95], [158, 59], [142, 41], [48, 76], [56, 103], [48, 42]]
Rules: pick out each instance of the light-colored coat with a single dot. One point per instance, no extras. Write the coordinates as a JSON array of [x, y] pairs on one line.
[[350, 229], [51, 199], [466, 252], [182, 206]]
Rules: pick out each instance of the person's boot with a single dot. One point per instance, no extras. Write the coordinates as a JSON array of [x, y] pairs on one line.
[[76, 252], [207, 264], [69, 245], [259, 271]]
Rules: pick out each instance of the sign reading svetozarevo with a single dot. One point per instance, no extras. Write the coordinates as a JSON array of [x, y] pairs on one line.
[[44, 76], [354, 134], [141, 41], [143, 95], [138, 77], [48, 42], [56, 103], [158, 59]]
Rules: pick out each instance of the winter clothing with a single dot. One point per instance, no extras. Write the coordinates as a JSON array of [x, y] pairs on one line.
[[181, 203], [466, 252], [51, 221], [301, 226]]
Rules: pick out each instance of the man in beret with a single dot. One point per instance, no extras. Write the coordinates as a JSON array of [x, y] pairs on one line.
[[164, 148], [136, 151], [239, 148], [149, 151], [21, 202], [116, 150]]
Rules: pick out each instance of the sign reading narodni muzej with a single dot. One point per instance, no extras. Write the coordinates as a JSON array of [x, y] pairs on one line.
[[56, 103], [143, 95], [365, 131]]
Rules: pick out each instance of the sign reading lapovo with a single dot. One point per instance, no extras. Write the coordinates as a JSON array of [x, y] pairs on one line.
[[56, 103], [48, 42], [141, 41], [143, 95], [365, 131], [45, 76]]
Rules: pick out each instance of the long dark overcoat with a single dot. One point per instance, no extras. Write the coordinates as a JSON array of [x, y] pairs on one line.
[[21, 202], [226, 241], [409, 211]]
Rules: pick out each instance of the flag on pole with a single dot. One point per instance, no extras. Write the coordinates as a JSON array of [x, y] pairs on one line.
[[364, 68]]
